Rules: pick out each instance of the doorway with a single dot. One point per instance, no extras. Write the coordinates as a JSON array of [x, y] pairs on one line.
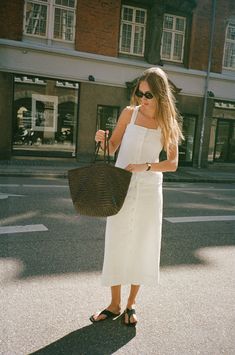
[[225, 141]]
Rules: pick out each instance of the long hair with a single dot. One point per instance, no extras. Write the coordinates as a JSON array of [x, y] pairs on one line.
[[166, 114]]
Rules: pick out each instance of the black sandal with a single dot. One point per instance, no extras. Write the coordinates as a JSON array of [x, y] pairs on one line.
[[108, 314], [129, 313]]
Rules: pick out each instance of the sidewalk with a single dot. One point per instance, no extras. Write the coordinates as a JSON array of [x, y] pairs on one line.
[[58, 167]]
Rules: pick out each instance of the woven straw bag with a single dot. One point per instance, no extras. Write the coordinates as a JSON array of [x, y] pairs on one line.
[[100, 188]]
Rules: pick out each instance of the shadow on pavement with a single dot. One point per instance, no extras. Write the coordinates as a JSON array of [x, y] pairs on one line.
[[45, 254], [180, 243], [102, 338]]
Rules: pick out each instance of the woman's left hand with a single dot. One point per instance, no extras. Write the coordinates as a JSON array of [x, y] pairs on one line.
[[136, 168]]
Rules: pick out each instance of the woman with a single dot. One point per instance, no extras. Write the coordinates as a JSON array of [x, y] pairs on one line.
[[133, 236]]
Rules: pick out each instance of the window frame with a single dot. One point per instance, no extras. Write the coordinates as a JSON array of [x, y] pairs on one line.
[[225, 43], [173, 32], [50, 20], [133, 24]]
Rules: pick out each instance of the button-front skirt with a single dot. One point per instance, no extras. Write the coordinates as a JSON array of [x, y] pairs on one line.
[[133, 236]]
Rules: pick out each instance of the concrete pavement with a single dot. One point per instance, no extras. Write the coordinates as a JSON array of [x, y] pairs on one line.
[[50, 280], [58, 167]]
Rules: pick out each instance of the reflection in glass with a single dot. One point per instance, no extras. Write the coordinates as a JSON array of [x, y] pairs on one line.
[[107, 117], [186, 147], [221, 148], [225, 141], [45, 116]]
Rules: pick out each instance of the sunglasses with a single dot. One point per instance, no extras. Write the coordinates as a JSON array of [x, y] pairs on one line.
[[146, 94]]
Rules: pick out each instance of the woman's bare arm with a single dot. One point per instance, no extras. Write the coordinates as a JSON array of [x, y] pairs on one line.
[[170, 164]]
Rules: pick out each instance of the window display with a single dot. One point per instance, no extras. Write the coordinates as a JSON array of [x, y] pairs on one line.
[[45, 116]]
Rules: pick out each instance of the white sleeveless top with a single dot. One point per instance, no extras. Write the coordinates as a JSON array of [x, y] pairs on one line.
[[140, 145]]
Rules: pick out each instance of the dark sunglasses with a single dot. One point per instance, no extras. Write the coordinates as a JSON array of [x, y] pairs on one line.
[[146, 94]]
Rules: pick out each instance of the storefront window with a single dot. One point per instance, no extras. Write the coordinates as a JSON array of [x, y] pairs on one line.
[[225, 141], [187, 145], [107, 117], [45, 116]]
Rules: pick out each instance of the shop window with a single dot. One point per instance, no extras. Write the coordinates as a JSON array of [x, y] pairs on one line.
[[225, 141], [107, 117], [186, 147], [51, 19], [173, 38], [132, 30], [45, 116], [229, 48]]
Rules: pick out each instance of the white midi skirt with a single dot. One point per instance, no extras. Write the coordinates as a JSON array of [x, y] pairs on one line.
[[133, 236]]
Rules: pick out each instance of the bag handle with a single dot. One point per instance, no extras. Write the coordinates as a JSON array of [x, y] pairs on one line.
[[106, 148]]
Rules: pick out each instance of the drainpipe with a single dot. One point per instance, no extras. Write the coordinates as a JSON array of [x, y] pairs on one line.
[[207, 83]]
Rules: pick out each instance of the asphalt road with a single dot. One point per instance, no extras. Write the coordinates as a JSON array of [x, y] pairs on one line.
[[51, 260]]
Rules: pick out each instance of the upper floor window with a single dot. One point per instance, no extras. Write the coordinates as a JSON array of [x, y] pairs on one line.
[[51, 19], [173, 38], [229, 47], [132, 31]]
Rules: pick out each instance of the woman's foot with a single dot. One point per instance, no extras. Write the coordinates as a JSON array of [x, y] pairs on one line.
[[130, 318], [109, 312]]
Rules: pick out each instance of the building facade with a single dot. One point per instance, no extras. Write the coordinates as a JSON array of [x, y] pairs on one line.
[[67, 67]]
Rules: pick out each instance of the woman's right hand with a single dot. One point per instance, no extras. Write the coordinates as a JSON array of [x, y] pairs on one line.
[[100, 135]]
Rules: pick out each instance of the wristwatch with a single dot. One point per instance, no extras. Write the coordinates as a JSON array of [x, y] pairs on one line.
[[149, 166]]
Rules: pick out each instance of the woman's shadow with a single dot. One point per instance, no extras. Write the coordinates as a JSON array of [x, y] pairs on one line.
[[103, 338]]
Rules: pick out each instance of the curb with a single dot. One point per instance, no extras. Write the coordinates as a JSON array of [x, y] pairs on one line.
[[64, 175], [34, 174]]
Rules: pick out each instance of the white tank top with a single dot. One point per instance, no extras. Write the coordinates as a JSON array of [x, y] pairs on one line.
[[140, 145]]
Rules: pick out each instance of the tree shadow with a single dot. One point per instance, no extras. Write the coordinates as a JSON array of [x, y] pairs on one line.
[[51, 254], [103, 338], [181, 242], [75, 244]]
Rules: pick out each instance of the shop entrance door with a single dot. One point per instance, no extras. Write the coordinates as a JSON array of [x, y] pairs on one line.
[[225, 141]]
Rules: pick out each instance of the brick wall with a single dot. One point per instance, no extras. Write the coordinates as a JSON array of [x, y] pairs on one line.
[[225, 10], [201, 27], [97, 29], [11, 19], [198, 57]]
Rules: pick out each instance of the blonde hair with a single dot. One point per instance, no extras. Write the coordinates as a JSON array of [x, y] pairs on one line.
[[167, 115]]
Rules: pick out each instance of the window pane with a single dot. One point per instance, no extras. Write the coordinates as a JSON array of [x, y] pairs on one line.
[[132, 35], [127, 14], [186, 146], [36, 17], [67, 3], [126, 38], [179, 24], [63, 24], [45, 116], [173, 38], [138, 40], [166, 45], [107, 117], [168, 22], [229, 57], [178, 43], [231, 33], [140, 16]]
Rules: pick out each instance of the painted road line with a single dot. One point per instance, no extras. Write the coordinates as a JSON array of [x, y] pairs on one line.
[[209, 189], [9, 185], [199, 219], [23, 229], [4, 196], [55, 186]]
